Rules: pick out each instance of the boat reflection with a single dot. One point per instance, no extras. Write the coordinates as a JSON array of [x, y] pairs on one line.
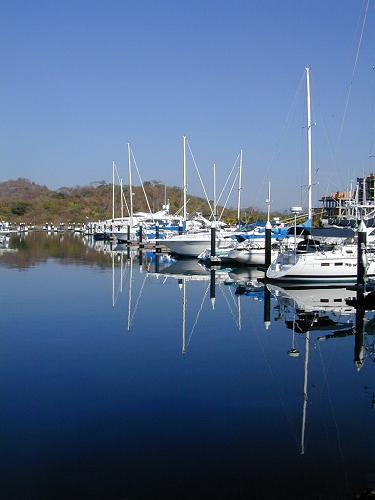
[[314, 308], [230, 283], [342, 312], [186, 270], [335, 312], [246, 275], [4, 245]]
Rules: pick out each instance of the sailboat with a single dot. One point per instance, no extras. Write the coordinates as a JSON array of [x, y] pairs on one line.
[[311, 261], [194, 244], [318, 265]]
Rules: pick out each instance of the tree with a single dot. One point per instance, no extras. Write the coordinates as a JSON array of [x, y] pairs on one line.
[[19, 208]]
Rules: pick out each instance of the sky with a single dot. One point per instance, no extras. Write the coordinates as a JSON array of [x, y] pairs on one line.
[[79, 79]]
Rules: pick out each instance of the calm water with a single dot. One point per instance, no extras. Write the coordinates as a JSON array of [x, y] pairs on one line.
[[106, 393]]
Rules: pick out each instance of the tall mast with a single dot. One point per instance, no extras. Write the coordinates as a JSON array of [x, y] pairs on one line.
[[113, 191], [239, 312], [269, 201], [309, 152], [304, 409], [184, 173], [364, 197], [130, 185], [239, 190], [214, 191]]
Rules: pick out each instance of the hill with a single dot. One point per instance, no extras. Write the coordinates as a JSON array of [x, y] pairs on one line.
[[22, 200]]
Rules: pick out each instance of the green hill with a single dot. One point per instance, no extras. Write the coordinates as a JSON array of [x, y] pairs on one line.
[[22, 200]]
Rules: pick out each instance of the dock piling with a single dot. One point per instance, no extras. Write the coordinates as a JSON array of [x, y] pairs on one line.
[[268, 245], [361, 254]]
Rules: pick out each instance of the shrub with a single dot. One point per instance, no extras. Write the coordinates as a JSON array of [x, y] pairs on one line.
[[19, 208]]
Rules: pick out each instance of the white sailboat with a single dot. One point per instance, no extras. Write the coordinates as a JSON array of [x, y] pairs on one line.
[[338, 265], [309, 261]]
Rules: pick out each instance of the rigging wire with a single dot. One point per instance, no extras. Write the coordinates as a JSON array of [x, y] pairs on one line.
[[278, 390], [372, 110], [138, 299], [122, 274], [353, 75], [197, 316], [284, 129], [200, 178], [324, 370], [229, 176], [143, 188], [232, 295], [181, 208], [122, 194], [324, 128], [230, 192], [229, 306]]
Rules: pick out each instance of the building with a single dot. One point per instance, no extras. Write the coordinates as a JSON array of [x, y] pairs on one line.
[[366, 190], [337, 204], [359, 202]]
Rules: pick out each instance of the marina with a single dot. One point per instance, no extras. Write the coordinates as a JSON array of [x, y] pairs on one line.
[[187, 250]]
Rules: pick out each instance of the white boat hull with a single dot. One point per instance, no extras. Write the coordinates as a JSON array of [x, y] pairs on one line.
[[250, 256], [191, 247], [321, 267]]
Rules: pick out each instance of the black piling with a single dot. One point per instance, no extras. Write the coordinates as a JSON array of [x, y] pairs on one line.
[[361, 254], [180, 229], [359, 356], [157, 266], [141, 245], [128, 238], [213, 241], [157, 236], [267, 308], [213, 287], [267, 261]]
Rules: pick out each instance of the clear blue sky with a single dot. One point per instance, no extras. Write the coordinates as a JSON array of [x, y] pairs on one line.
[[79, 79]]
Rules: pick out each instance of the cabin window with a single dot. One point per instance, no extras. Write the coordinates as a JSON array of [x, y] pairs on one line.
[[324, 264], [337, 300], [324, 300], [338, 263]]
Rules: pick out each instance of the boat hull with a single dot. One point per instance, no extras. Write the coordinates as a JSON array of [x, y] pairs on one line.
[[329, 267], [190, 248], [250, 256]]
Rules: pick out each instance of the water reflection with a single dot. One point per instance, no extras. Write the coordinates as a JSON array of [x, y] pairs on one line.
[[303, 309], [313, 308], [341, 311], [167, 368], [30, 249], [162, 269]]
